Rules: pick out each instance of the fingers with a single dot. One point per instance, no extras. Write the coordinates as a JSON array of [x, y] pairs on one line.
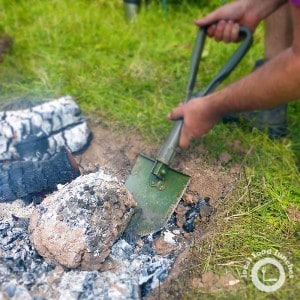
[[176, 114], [226, 31], [184, 139]]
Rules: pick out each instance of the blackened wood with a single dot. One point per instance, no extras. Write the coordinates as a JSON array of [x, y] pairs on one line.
[[20, 179]]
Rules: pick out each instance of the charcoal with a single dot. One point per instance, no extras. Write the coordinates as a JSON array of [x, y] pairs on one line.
[[194, 212], [24, 178], [135, 271], [22, 293], [147, 250], [28, 278], [88, 286], [4, 226]]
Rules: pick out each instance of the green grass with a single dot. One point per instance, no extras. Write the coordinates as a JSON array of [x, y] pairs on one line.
[[132, 74], [254, 218]]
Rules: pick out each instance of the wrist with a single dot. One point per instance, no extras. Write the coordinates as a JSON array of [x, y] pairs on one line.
[[214, 106]]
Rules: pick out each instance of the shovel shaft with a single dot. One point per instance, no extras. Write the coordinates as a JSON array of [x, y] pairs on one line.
[[168, 148], [195, 62]]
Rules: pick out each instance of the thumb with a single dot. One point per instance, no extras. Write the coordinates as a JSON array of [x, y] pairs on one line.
[[176, 113], [208, 20]]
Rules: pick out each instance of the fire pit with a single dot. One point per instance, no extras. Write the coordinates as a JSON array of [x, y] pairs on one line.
[[134, 266]]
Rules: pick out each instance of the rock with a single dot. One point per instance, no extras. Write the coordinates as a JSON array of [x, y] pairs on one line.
[[197, 283], [77, 225], [162, 247], [213, 282], [189, 199]]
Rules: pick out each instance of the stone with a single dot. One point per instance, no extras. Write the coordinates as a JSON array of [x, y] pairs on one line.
[[162, 247], [76, 226], [189, 199]]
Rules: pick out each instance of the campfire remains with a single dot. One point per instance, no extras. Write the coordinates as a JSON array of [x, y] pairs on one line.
[[71, 245], [35, 147]]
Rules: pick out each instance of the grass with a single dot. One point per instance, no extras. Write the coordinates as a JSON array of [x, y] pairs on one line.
[[254, 217], [132, 74]]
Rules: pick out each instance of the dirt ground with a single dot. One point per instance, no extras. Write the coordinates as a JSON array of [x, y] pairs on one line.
[[116, 151]]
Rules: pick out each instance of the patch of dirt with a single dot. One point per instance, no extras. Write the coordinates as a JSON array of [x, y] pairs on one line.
[[117, 151], [294, 214]]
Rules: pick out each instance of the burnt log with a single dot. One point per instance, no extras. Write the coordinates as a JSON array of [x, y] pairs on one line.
[[20, 179], [36, 145], [40, 132]]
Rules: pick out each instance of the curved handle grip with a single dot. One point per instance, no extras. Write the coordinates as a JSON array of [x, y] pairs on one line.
[[168, 149], [233, 61]]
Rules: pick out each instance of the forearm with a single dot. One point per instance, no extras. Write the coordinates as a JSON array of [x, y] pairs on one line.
[[266, 7], [275, 83], [259, 10]]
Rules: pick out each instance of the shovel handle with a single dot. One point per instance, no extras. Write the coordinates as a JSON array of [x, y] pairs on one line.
[[168, 149]]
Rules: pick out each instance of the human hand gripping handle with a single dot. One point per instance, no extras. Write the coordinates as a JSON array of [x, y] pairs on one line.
[[223, 24], [195, 117]]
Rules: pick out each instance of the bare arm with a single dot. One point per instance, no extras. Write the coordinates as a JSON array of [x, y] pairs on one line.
[[275, 83]]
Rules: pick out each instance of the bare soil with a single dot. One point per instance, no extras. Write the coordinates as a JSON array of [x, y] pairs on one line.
[[117, 152]]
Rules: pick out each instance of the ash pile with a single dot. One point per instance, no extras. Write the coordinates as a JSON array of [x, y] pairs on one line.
[[73, 245], [70, 243], [24, 274]]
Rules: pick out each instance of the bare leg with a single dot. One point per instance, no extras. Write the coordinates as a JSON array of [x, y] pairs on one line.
[[278, 37], [278, 32]]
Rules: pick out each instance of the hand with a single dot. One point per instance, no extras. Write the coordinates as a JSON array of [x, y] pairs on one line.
[[223, 23], [198, 118]]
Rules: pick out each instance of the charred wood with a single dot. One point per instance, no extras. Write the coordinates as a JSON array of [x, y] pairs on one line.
[[42, 131], [24, 178]]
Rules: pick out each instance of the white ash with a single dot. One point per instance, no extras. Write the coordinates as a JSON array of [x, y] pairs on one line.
[[17, 208], [39, 132], [135, 275], [25, 275], [169, 237]]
